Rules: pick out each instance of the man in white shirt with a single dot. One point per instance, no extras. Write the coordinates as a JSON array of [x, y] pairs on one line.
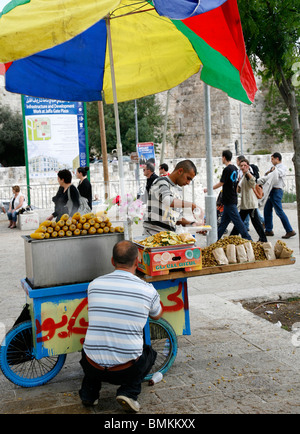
[[275, 198], [119, 304]]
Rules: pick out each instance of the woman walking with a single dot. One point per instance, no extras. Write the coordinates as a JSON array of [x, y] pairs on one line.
[[84, 186]]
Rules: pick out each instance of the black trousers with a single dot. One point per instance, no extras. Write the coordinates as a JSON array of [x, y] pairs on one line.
[[129, 379], [255, 221]]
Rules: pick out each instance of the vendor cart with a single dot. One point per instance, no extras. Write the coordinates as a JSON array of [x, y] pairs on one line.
[[55, 319]]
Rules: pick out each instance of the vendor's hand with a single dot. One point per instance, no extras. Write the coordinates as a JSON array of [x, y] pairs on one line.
[[200, 214], [50, 217], [199, 223]]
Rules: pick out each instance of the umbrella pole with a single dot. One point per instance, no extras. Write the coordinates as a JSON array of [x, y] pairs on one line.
[[210, 200], [103, 150], [162, 152], [117, 122]]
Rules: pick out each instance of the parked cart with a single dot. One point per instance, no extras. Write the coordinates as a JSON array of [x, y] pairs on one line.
[[55, 319]]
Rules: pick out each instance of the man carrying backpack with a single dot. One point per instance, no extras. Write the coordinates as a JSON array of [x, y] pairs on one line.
[[228, 182]]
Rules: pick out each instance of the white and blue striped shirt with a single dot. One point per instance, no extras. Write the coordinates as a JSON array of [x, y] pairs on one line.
[[119, 304]]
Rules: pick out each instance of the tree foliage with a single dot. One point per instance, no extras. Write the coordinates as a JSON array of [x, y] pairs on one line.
[[272, 36], [271, 31], [11, 138], [150, 121], [277, 114]]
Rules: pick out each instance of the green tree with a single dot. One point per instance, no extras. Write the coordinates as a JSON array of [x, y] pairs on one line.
[[278, 116], [11, 138], [272, 34], [150, 122]]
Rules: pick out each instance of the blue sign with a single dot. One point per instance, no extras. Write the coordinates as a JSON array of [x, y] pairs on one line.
[[146, 153]]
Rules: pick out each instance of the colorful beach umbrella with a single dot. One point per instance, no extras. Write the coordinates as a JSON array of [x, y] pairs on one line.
[[58, 48]]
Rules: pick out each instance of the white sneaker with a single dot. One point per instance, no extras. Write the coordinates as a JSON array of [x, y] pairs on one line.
[[128, 404]]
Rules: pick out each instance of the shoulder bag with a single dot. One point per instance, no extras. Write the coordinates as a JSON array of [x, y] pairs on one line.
[[258, 191], [83, 204]]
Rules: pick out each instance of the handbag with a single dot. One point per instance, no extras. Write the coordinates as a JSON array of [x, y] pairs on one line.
[[83, 204], [258, 191]]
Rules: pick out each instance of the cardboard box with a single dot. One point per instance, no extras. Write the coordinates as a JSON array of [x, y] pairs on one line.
[[28, 221], [162, 261]]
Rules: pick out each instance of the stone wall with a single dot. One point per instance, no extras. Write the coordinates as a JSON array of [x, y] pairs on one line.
[[186, 117], [12, 100]]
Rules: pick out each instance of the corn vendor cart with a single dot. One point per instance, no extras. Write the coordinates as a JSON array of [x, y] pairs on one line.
[[55, 319]]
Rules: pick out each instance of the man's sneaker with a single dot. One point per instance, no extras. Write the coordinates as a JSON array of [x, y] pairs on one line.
[[269, 233], [289, 234], [88, 403], [128, 404]]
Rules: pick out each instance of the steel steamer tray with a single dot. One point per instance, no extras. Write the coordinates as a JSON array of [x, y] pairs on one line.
[[68, 260]]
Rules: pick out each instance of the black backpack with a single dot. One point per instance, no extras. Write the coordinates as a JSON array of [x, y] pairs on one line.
[[255, 170]]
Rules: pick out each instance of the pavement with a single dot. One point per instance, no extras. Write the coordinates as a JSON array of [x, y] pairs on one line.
[[232, 363]]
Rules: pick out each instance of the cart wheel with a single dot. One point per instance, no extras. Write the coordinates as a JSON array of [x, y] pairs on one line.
[[18, 363], [164, 342]]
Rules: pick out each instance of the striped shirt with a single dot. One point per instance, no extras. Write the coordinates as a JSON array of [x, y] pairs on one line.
[[159, 215], [119, 304]]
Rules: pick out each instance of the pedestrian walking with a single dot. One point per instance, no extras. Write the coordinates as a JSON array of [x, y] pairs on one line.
[[275, 197], [228, 182], [249, 202]]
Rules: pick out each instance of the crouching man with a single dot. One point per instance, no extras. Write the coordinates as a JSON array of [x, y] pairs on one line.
[[118, 307]]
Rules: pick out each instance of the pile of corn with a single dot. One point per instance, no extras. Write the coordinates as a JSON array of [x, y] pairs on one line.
[[77, 225], [208, 259]]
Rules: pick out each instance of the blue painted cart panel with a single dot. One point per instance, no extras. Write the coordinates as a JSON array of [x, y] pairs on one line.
[[60, 315]]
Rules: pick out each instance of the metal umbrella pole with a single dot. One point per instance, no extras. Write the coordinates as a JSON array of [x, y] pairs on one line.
[[210, 200], [117, 122]]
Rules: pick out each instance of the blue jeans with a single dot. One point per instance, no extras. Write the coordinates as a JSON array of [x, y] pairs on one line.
[[231, 214], [12, 216], [274, 201]]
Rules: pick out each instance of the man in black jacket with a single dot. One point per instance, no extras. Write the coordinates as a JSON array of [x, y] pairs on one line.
[[151, 176], [228, 182]]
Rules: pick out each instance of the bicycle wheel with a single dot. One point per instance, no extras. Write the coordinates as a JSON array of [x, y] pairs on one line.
[[164, 342], [18, 363]]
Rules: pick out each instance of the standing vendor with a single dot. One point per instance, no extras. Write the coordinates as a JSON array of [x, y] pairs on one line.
[[163, 200]]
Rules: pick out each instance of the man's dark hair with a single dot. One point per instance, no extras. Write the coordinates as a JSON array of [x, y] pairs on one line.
[[277, 155], [240, 157], [66, 175], [227, 154], [186, 165], [125, 253], [164, 166], [150, 166]]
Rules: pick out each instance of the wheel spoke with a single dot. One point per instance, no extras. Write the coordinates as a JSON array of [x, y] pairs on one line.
[[17, 359]]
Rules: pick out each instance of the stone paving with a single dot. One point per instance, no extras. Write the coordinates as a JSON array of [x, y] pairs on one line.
[[232, 363]]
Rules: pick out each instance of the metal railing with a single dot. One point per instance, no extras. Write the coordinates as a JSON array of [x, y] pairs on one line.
[[41, 194]]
